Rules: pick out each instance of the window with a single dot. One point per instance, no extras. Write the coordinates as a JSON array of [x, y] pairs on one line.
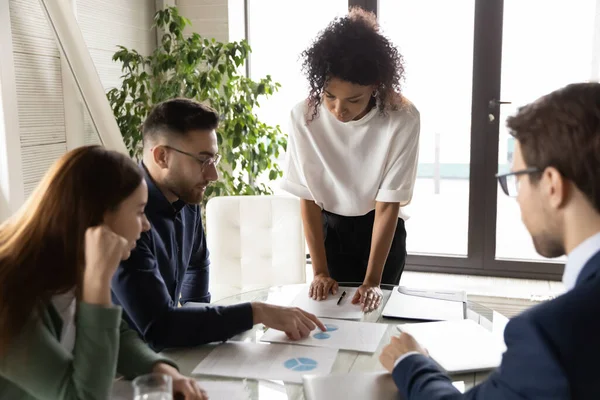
[[278, 32], [462, 58], [439, 82], [538, 58]]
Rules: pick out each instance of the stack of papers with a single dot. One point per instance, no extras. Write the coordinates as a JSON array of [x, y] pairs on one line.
[[433, 305], [458, 346], [340, 334], [266, 361]]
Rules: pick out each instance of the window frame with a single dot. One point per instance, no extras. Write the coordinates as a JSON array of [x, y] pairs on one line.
[[483, 187]]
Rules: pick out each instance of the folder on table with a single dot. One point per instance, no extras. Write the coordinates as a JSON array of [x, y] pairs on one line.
[[428, 305], [352, 386], [458, 346]]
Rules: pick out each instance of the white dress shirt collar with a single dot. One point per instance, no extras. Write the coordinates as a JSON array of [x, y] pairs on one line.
[[578, 258]]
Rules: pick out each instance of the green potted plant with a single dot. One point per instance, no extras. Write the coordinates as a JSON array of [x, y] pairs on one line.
[[208, 71]]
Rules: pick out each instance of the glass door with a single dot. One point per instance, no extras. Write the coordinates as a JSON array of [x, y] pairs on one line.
[[438, 51], [545, 45]]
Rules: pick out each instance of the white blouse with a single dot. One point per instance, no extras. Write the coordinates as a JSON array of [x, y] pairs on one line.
[[66, 305], [346, 167]]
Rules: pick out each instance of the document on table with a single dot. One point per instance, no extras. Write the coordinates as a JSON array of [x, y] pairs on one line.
[[356, 386], [216, 390], [329, 308], [340, 334], [353, 386], [429, 305], [225, 390], [282, 362], [458, 346]]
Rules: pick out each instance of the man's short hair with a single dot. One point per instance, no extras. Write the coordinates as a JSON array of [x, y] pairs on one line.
[[562, 130], [178, 117]]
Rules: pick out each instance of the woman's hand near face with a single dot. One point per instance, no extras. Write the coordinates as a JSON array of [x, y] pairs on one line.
[[104, 250]]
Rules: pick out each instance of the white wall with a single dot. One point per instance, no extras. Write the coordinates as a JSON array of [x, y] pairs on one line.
[[39, 90], [108, 23], [45, 95], [11, 177], [209, 17], [48, 114]]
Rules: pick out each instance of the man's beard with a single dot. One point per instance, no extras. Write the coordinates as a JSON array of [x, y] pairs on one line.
[[187, 193], [548, 246]]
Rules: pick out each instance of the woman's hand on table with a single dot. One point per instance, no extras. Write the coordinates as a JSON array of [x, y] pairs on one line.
[[369, 296], [321, 286], [184, 388]]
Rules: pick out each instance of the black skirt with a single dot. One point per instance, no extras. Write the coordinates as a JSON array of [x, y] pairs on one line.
[[348, 246]]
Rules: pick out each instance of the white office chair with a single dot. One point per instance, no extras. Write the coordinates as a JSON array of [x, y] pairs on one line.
[[254, 242]]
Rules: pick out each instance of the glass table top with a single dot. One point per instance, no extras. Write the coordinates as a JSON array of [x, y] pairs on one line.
[[347, 361]]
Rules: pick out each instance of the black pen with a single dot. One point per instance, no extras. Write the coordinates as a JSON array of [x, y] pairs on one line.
[[341, 297]]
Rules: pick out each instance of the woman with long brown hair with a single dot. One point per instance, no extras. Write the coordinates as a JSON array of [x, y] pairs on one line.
[[60, 335]]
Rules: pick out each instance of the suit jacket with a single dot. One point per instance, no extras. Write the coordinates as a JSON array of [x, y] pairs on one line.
[[553, 352]]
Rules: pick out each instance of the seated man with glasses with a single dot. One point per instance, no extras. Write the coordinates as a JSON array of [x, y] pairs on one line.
[[170, 263], [552, 349]]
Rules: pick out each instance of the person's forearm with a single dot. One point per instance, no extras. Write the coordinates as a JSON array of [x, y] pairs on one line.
[[258, 309], [195, 326], [384, 228], [164, 368], [313, 228], [96, 289]]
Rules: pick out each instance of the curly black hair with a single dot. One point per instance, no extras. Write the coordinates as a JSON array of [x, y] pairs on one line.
[[352, 49]]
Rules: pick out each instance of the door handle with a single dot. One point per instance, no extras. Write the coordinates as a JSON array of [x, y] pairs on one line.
[[493, 103]]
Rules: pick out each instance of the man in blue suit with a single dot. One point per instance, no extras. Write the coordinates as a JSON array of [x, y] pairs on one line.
[[553, 350]]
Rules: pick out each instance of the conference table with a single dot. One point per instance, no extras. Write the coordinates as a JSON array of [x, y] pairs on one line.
[[347, 361]]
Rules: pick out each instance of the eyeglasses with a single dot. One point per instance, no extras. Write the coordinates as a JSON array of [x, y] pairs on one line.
[[509, 181], [204, 162]]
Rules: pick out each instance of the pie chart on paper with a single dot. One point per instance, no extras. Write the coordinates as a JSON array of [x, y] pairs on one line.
[[300, 364]]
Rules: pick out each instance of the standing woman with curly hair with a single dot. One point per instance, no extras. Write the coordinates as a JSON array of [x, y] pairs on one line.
[[352, 158]]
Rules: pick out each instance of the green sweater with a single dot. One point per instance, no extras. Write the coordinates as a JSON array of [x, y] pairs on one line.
[[36, 366]]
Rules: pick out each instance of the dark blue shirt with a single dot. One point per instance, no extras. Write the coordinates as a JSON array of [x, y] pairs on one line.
[[171, 263]]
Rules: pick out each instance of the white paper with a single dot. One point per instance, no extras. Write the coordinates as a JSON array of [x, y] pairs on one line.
[[340, 334], [499, 325], [353, 386], [401, 305], [458, 346], [266, 361], [219, 390], [329, 308], [216, 390], [459, 385]]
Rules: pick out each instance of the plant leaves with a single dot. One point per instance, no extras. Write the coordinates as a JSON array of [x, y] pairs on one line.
[[207, 70]]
